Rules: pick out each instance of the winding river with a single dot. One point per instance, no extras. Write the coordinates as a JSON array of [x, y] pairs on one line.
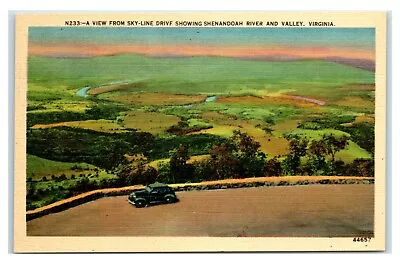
[[211, 98], [83, 92]]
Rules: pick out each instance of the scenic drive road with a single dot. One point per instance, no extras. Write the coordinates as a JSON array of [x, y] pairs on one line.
[[313, 210]]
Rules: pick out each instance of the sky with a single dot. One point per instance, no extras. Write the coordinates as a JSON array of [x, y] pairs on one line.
[[257, 43]]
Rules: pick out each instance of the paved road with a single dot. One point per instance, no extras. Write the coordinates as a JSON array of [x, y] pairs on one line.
[[314, 210]]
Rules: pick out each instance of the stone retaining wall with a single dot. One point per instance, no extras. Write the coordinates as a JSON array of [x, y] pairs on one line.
[[269, 184]]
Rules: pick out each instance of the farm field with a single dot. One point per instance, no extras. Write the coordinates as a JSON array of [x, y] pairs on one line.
[[156, 99], [151, 122], [295, 211], [107, 126]]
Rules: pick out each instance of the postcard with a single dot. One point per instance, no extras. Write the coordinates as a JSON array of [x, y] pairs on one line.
[[200, 132]]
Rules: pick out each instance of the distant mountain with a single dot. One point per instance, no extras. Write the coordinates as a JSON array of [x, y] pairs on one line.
[[368, 65]]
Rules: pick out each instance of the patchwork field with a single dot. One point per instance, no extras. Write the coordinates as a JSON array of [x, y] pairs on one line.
[[107, 126], [356, 103], [270, 144], [271, 100], [365, 118], [157, 99], [151, 122]]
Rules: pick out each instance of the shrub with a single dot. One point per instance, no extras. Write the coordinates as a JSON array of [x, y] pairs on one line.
[[361, 167], [269, 120], [180, 170], [339, 167], [149, 175], [363, 134], [251, 166], [291, 165], [203, 171], [310, 125], [164, 173], [268, 131], [223, 163], [316, 165], [273, 167], [76, 167], [297, 149]]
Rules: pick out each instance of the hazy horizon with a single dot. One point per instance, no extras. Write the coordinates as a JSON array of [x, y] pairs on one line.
[[278, 43]]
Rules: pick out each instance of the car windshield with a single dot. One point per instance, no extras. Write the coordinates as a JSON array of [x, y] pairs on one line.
[[148, 189]]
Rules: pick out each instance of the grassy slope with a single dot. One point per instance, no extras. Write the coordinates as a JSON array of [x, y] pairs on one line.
[[38, 167], [351, 152]]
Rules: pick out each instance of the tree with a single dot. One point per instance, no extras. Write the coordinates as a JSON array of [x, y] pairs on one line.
[[164, 173], [30, 188], [149, 175], [361, 167], [316, 163], [123, 173], [250, 160], [363, 134], [223, 162], [297, 149], [245, 143], [136, 173], [204, 170], [334, 144], [179, 168], [273, 167]]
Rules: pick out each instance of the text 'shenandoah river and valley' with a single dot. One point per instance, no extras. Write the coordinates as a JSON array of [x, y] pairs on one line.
[[185, 23]]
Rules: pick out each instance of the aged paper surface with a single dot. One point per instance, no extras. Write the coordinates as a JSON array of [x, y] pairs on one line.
[[290, 103]]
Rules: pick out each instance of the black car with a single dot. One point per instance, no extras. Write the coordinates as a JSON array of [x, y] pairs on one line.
[[153, 193]]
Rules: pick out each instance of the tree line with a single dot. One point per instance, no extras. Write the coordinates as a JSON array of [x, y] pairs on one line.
[[108, 150], [237, 157], [241, 157]]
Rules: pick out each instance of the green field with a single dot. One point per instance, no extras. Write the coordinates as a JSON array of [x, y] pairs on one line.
[[39, 167], [194, 75], [197, 101]]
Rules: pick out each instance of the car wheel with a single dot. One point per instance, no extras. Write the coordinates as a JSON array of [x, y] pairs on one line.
[[169, 199], [140, 203]]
